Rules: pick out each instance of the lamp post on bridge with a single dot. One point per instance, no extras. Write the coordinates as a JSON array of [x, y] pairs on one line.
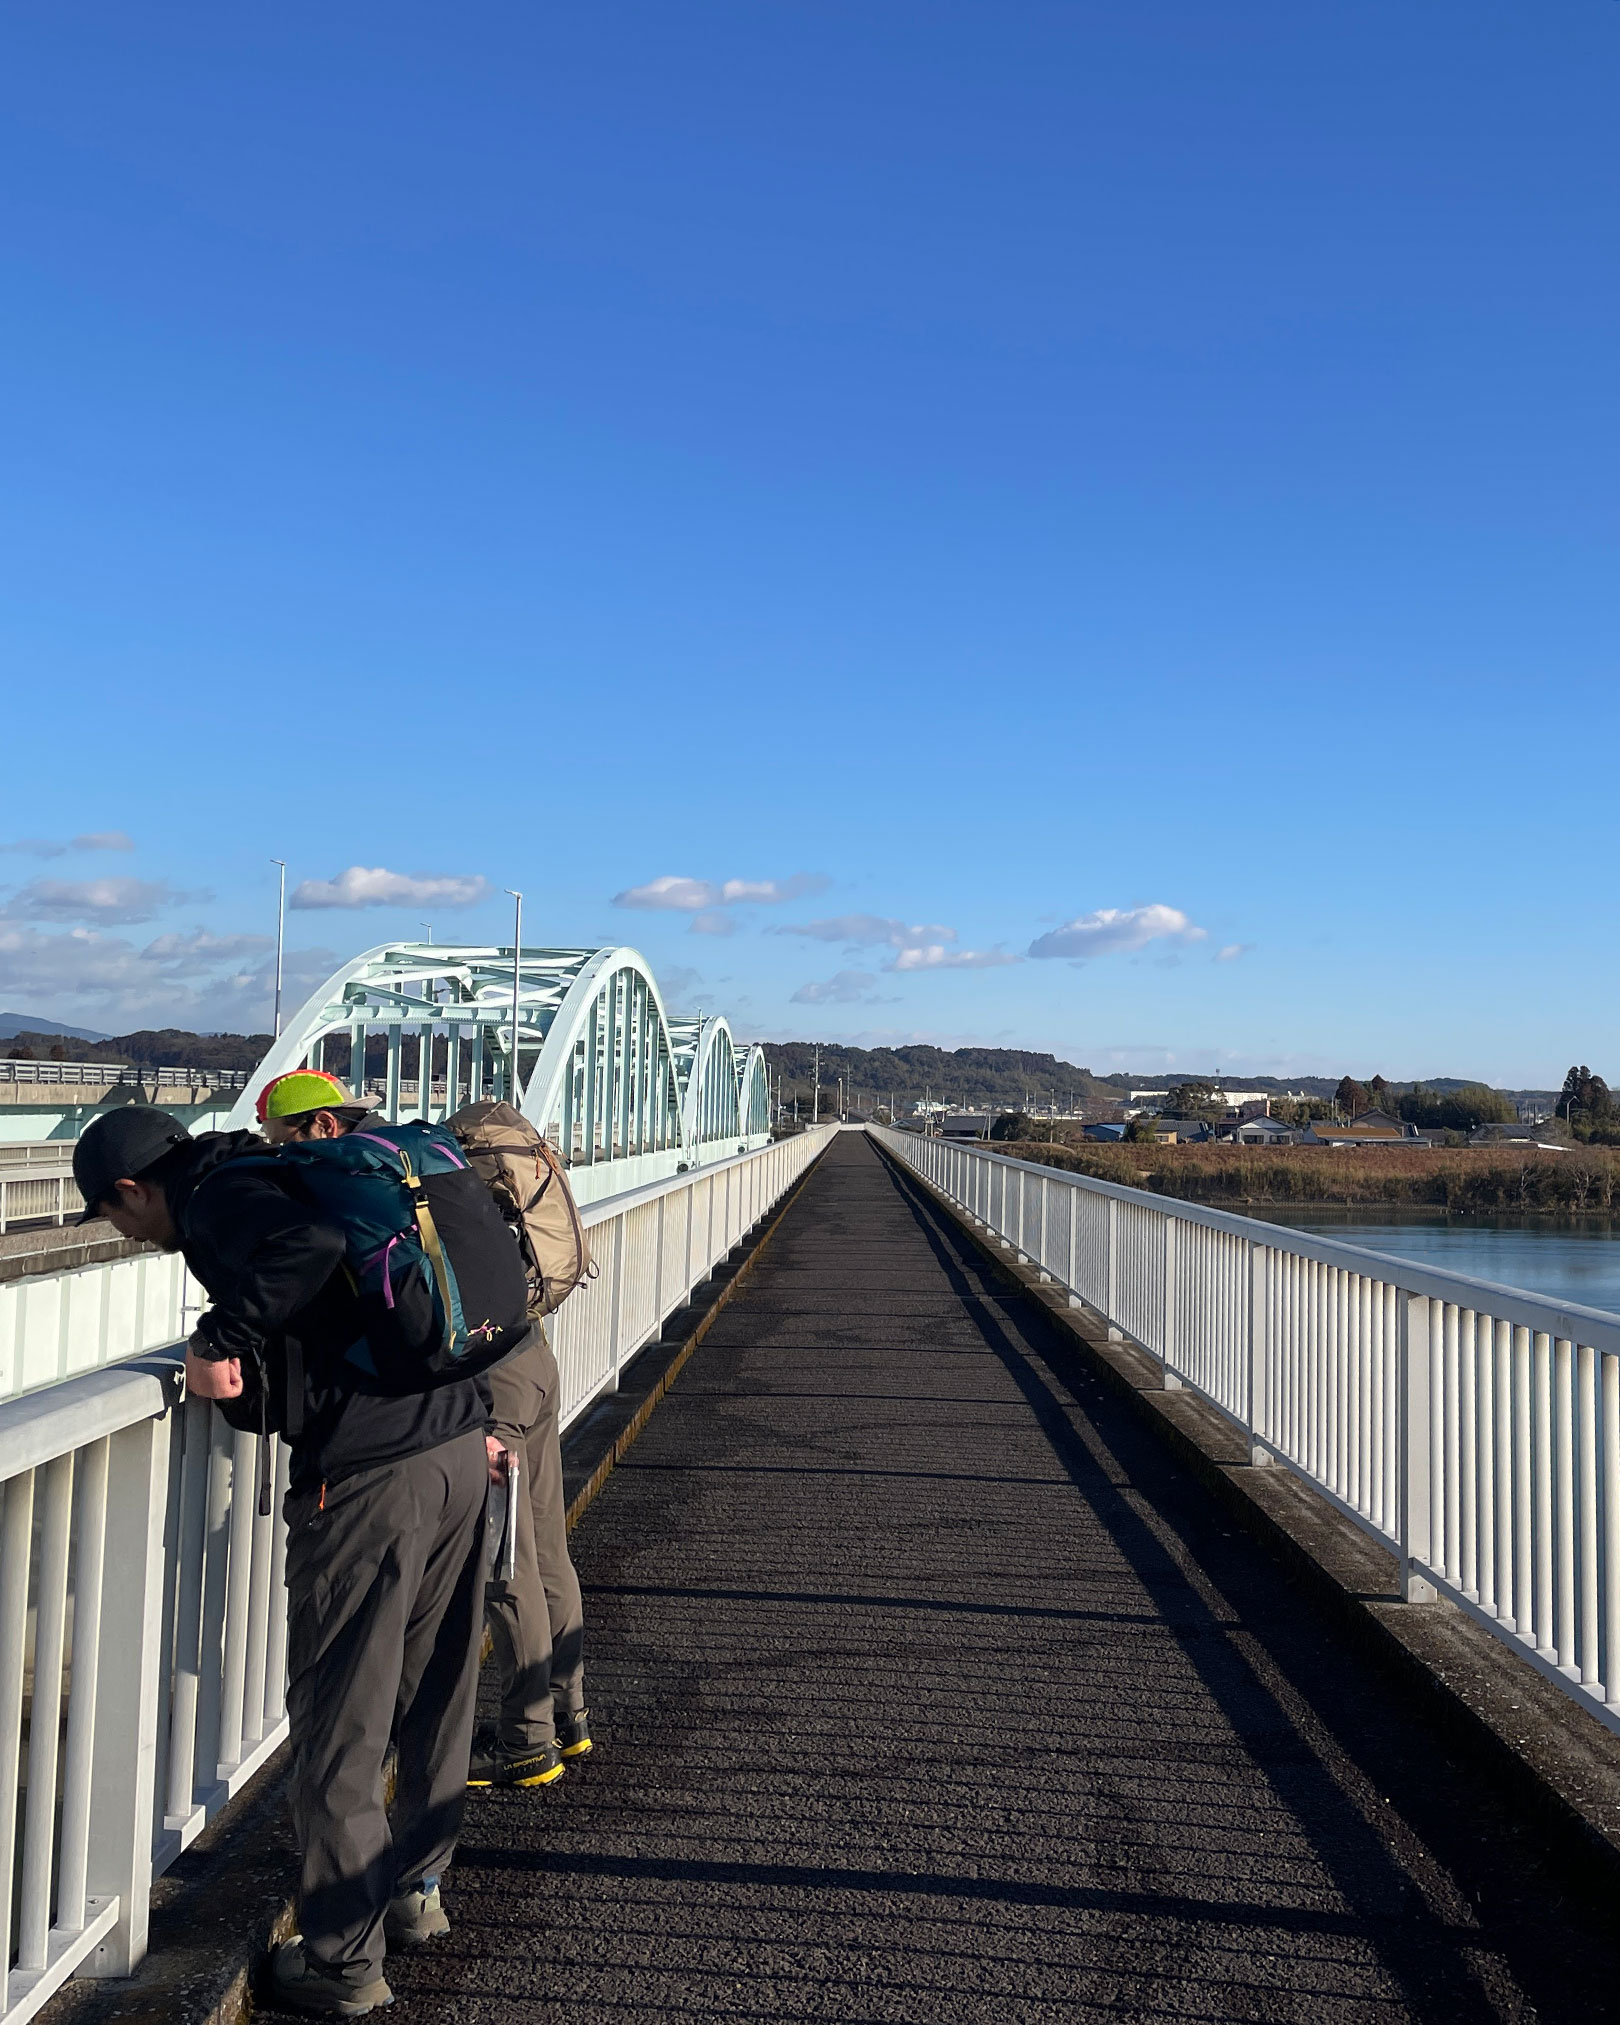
[[517, 984], [281, 926]]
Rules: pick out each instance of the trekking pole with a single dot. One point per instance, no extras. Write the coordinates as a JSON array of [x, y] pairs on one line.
[[514, 1476]]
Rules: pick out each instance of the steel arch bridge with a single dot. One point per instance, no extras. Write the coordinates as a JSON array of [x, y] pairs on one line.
[[624, 1092]]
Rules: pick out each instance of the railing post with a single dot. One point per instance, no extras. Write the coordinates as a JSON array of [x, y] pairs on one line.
[[1115, 1333], [658, 1266], [618, 1293], [1414, 1526], [1258, 1398], [1073, 1266], [124, 1754], [1043, 1234], [1167, 1325]]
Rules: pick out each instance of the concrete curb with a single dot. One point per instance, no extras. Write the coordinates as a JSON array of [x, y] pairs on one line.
[[236, 1892], [1540, 1748]]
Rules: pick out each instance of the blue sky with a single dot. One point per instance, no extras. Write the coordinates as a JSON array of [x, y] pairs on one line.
[[1053, 525]]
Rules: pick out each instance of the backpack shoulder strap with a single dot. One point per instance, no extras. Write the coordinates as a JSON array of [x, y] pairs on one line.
[[428, 1230]]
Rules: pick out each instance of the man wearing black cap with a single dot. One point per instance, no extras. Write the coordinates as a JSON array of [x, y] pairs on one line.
[[388, 1490]]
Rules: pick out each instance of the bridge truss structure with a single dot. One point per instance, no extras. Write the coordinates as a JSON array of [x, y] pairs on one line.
[[627, 1094]]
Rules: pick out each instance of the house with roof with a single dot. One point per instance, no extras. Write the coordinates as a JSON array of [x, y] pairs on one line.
[[1260, 1131], [1370, 1128], [1180, 1131]]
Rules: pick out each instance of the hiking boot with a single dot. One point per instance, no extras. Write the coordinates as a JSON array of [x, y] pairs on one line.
[[304, 1985], [574, 1733], [495, 1764], [417, 1915]]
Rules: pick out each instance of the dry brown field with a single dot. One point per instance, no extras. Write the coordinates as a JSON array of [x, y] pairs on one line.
[[1583, 1181]]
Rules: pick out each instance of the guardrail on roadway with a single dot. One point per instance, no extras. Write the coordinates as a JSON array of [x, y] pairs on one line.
[[156, 1600], [115, 1073], [1473, 1429], [37, 1189]]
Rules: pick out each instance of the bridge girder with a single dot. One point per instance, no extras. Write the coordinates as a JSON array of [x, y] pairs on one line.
[[625, 1093]]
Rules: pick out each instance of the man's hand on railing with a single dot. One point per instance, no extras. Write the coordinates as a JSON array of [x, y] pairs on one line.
[[212, 1377]]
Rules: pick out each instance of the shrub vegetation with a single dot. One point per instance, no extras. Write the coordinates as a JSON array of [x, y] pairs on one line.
[[1583, 1181]]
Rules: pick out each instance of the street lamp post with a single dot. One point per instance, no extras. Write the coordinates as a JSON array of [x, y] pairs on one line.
[[515, 1094], [281, 928]]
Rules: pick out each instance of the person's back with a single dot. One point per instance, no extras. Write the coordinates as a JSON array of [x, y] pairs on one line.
[[283, 1307]]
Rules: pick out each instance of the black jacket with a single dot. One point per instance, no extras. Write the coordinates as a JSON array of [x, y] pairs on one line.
[[280, 1304]]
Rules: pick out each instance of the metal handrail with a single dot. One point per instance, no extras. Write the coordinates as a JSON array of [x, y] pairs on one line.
[[51, 1154], [151, 1549], [1472, 1429], [115, 1074]]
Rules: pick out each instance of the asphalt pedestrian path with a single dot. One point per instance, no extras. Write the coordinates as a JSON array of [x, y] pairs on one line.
[[929, 1688]]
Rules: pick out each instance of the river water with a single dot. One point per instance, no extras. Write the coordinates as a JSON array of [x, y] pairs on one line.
[[1567, 1259]]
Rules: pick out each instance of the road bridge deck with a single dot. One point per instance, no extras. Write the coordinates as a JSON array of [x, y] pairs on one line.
[[930, 1689]]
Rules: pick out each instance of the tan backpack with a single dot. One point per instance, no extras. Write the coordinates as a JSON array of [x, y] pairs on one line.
[[525, 1174]]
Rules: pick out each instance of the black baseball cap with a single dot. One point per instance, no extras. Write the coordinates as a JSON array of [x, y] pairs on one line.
[[120, 1146]]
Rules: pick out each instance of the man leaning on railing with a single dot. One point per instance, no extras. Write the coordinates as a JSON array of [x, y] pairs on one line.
[[384, 1514]]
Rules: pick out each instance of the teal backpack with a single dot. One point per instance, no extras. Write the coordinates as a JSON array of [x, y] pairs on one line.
[[439, 1276]]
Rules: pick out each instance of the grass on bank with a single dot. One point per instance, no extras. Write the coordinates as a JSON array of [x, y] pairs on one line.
[[1583, 1181]]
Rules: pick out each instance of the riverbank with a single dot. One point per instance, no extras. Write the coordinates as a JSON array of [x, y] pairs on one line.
[[1583, 1182]]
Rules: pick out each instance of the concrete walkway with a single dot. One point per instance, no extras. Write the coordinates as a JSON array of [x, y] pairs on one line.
[[929, 1689]]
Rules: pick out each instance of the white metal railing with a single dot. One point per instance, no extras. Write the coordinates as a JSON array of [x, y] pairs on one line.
[[117, 1073], [141, 1596], [45, 1154], [38, 1190], [1474, 1429], [57, 1325]]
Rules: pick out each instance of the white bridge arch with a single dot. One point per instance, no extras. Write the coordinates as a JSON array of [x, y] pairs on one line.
[[624, 1092]]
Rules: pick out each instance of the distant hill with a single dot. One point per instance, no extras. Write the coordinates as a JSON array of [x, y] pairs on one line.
[[1010, 1078], [151, 1048], [12, 1024], [1005, 1078]]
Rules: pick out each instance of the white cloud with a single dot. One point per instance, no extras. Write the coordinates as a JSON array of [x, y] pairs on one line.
[[847, 987], [186, 952], [110, 901], [935, 956], [870, 931], [1232, 951], [923, 945], [362, 886], [91, 840], [693, 896], [680, 895], [204, 981], [1111, 930]]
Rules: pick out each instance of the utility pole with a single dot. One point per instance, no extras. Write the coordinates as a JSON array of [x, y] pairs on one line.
[[281, 928], [428, 925], [514, 1095], [815, 1098]]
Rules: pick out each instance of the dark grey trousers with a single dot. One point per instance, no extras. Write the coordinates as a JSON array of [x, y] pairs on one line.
[[384, 1588], [537, 1621]]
